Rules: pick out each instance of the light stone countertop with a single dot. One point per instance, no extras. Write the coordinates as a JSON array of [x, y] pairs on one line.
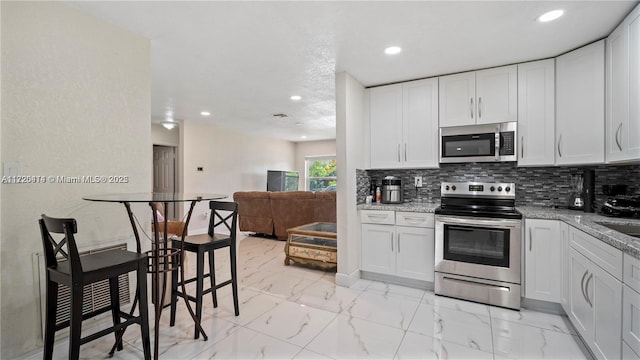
[[587, 222]]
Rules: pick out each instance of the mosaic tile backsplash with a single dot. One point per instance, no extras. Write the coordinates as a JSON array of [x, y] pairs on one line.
[[544, 186]]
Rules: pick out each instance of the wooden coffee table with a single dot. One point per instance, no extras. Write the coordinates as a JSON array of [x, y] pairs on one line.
[[312, 244]]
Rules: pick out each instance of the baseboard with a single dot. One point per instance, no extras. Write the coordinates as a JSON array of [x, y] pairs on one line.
[[543, 306], [418, 284], [346, 280]]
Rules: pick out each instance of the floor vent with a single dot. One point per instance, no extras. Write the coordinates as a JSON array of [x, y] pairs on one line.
[[95, 297]]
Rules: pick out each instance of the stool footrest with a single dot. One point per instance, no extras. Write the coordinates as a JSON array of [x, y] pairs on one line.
[[110, 330]]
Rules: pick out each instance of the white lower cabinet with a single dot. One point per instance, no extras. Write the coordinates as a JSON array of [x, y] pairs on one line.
[[377, 249], [631, 319], [405, 250], [631, 306], [565, 293], [543, 260], [595, 297], [628, 354]]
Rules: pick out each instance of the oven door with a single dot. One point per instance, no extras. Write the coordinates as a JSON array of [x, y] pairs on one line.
[[478, 247]]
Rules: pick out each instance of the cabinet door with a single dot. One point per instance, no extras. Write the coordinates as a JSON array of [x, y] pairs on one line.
[[497, 95], [378, 249], [457, 99], [566, 269], [580, 106], [420, 123], [631, 318], [415, 253], [605, 293], [581, 313], [386, 126], [542, 260], [623, 90], [536, 113]]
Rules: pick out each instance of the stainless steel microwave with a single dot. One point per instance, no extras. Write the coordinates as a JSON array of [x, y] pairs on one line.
[[479, 143]]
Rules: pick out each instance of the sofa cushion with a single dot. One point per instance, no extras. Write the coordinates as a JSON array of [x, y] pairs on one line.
[[254, 211], [291, 209]]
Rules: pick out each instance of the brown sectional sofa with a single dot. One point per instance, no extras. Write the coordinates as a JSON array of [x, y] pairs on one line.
[[272, 213]]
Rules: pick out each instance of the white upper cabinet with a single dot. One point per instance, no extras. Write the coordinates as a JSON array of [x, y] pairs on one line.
[[479, 97], [420, 123], [580, 106], [386, 126], [457, 96], [623, 91], [497, 94], [536, 113], [404, 125]]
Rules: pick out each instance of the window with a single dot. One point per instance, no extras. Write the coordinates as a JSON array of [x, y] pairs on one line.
[[321, 173]]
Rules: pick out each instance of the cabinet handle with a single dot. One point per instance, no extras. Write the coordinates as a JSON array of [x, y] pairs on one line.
[[522, 147], [398, 243], [582, 285], [479, 107], [399, 153], [586, 289], [391, 237], [471, 108], [559, 142], [405, 151], [618, 136], [530, 240]]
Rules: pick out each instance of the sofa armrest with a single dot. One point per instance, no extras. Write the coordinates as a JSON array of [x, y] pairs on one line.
[[254, 211]]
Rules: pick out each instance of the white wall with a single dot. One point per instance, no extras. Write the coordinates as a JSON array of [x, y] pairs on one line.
[[76, 102], [350, 117], [162, 136], [311, 148], [231, 161]]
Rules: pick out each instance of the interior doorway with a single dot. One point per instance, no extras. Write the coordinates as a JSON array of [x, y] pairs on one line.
[[164, 174]]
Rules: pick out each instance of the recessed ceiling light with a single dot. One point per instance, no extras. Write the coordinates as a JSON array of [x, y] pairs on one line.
[[551, 15], [295, 97], [392, 50], [205, 113], [303, 136]]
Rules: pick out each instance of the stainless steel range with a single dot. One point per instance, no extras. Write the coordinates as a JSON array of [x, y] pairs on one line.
[[478, 242]]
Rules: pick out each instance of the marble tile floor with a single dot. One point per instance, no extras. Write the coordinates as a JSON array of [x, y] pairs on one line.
[[292, 312]]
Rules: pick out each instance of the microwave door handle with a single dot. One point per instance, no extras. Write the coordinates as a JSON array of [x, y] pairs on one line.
[[497, 150]]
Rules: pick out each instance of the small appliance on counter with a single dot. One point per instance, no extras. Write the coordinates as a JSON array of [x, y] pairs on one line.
[[392, 190], [576, 199], [582, 195], [619, 204]]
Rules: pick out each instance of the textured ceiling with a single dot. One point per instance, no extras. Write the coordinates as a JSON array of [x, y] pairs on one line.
[[242, 60]]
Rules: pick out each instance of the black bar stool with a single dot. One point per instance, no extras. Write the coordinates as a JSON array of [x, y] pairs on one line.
[[223, 215], [76, 271]]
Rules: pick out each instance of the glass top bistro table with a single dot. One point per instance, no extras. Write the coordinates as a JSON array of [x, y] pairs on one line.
[[160, 254]]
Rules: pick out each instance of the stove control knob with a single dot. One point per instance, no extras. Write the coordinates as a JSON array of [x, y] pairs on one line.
[[446, 187], [507, 189], [499, 188], [453, 188], [492, 188]]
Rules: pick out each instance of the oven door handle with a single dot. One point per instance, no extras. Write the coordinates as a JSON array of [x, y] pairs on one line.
[[465, 221]]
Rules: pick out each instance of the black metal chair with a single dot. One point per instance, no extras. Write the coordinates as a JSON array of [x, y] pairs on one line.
[[76, 271], [223, 215]]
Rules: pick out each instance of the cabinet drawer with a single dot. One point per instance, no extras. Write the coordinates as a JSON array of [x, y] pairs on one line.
[[605, 256], [415, 219], [377, 217], [631, 318], [631, 275]]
